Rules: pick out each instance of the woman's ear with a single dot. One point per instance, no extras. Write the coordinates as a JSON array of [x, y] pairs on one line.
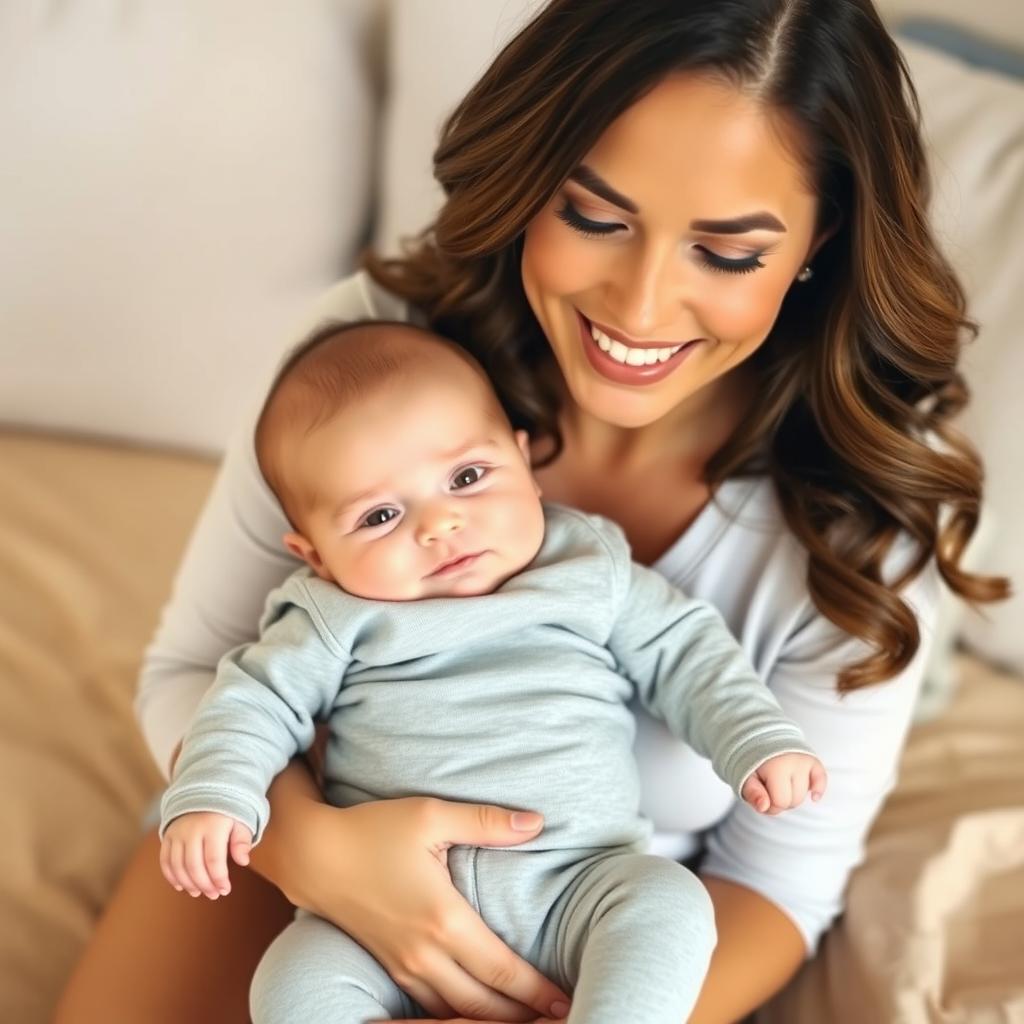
[[304, 550]]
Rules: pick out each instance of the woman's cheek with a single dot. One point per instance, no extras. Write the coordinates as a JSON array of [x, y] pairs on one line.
[[553, 260], [742, 312]]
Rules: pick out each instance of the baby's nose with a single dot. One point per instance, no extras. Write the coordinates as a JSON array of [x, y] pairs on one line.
[[437, 522]]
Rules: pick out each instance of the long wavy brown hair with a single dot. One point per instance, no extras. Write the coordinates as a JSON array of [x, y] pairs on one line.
[[858, 376]]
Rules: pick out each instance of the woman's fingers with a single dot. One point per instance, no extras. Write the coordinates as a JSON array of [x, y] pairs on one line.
[[425, 995], [459, 992], [489, 961], [484, 824], [396, 898]]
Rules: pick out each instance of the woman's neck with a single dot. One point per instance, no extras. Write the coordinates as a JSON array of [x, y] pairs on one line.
[[687, 437]]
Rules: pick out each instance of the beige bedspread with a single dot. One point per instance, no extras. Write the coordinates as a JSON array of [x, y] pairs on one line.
[[89, 536]]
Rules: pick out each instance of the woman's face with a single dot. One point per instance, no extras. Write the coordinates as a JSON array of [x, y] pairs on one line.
[[635, 256]]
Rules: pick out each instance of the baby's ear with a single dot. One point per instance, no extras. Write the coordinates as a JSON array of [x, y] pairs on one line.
[[304, 550], [523, 440]]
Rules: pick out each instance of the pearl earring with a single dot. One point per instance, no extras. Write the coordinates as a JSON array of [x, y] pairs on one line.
[[806, 274]]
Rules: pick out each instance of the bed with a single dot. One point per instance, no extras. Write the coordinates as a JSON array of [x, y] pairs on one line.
[[90, 533]]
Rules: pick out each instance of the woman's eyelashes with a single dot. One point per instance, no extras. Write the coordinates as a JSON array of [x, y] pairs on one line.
[[601, 229], [586, 227]]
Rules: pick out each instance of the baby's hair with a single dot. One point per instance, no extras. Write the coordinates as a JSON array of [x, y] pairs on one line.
[[340, 362]]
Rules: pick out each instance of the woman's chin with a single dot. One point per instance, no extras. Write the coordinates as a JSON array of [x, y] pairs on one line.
[[616, 407]]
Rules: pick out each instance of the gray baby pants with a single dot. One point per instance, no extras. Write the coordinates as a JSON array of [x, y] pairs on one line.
[[628, 935]]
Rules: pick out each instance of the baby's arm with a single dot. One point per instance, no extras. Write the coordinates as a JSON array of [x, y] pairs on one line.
[[193, 853], [690, 672], [259, 712]]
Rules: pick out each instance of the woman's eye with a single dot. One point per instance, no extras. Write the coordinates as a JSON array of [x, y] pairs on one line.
[[587, 228], [379, 516], [714, 262], [468, 476]]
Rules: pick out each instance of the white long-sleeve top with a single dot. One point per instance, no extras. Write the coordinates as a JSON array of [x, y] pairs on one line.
[[738, 555]]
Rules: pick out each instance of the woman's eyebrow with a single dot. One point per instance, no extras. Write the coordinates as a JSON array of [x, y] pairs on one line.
[[593, 182], [739, 225]]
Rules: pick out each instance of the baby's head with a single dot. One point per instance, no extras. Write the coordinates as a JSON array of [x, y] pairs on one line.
[[397, 466]]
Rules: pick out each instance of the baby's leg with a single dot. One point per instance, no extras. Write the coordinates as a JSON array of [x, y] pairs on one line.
[[635, 937], [314, 972]]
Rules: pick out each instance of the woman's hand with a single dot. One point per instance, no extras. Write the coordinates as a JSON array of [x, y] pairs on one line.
[[379, 871]]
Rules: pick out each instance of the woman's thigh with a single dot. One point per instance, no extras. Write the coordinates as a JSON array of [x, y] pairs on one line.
[[161, 956]]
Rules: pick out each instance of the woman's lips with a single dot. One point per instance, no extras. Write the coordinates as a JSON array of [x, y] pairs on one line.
[[623, 373]]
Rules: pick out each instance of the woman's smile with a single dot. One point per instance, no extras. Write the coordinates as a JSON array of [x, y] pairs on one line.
[[633, 363]]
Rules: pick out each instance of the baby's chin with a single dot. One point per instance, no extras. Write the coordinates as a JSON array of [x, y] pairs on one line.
[[471, 585]]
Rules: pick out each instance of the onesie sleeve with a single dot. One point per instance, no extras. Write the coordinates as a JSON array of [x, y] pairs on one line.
[[801, 860], [690, 672], [233, 560], [260, 711]]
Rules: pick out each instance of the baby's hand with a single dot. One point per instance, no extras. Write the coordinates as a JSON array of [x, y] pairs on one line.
[[782, 783], [193, 855]]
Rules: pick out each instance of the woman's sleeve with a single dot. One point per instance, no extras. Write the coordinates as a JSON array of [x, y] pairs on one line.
[[234, 558], [801, 860]]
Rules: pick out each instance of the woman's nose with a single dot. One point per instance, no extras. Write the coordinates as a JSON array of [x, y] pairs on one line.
[[648, 296], [437, 522]]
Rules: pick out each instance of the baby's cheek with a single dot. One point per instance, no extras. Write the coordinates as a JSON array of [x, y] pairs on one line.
[[381, 571]]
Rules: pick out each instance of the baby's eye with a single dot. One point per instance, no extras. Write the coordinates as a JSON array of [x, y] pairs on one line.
[[469, 475], [379, 516]]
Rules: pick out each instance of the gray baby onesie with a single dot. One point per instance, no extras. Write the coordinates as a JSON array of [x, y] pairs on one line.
[[517, 698]]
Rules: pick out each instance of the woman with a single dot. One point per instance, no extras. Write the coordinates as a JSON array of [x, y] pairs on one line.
[[688, 242]]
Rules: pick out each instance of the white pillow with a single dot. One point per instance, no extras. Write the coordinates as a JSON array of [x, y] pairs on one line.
[[423, 90], [179, 182], [974, 126]]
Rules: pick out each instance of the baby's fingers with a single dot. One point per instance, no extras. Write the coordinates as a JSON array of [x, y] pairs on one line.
[[240, 843], [165, 865], [215, 860], [197, 850], [756, 795], [179, 872], [819, 780], [780, 789]]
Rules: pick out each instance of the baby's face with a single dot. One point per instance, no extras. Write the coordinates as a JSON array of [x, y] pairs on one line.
[[418, 492]]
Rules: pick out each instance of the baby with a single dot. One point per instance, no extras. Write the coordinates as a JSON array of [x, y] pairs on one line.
[[465, 641]]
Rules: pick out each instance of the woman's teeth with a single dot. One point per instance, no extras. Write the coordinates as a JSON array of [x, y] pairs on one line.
[[631, 356]]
